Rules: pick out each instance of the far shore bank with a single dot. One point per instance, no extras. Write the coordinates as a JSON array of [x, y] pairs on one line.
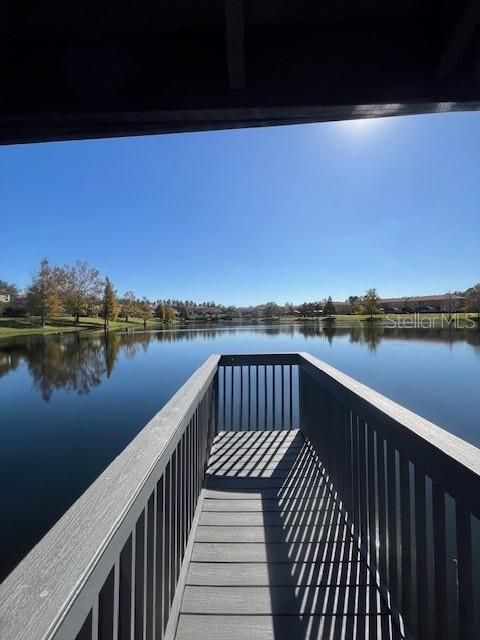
[[14, 327]]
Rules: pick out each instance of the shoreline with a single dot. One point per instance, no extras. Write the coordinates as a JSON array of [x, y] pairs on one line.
[[62, 325]]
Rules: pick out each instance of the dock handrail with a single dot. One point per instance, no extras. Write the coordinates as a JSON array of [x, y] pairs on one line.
[[412, 492], [409, 489], [85, 573]]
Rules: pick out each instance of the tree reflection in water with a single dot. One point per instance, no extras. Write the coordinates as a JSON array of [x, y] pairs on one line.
[[79, 362]]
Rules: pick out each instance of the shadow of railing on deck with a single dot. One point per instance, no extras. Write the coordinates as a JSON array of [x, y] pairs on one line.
[[319, 584]]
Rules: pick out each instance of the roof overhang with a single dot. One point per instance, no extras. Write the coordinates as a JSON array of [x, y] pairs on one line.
[[98, 69]]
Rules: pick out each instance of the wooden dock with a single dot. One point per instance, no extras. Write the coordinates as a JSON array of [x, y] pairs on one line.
[[273, 556], [272, 498]]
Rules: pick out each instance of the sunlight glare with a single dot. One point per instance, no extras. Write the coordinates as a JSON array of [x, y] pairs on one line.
[[361, 125]]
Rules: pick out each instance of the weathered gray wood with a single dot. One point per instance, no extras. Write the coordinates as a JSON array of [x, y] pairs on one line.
[[267, 494], [282, 505], [283, 600], [222, 627], [259, 574], [257, 472], [341, 551], [266, 458], [254, 436], [261, 447], [239, 483], [258, 519], [75, 557], [237, 468], [293, 533]]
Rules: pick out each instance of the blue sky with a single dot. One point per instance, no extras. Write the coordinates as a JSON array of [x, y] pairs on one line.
[[245, 216]]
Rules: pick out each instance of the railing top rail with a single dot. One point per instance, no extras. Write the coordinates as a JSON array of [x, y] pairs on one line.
[[245, 359], [444, 456], [37, 595]]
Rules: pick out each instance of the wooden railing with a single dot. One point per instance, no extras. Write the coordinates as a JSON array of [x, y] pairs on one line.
[[109, 568], [410, 491], [258, 392]]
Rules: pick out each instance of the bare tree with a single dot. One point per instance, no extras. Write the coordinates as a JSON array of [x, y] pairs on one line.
[[82, 289], [129, 305], [144, 310], [43, 294]]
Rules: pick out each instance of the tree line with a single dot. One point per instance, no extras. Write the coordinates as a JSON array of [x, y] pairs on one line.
[[76, 290], [79, 290]]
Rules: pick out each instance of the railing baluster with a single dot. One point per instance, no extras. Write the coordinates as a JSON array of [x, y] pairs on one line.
[[186, 519], [125, 591], [382, 512], [424, 626], [224, 376], [362, 482], [274, 407], [240, 420], [372, 493], [95, 619], [232, 372], [249, 425], [265, 393], [441, 631], [159, 559], [178, 509], [290, 382], [133, 582], [139, 576], [257, 400], [151, 563], [465, 573], [116, 597], [173, 532], [167, 542], [393, 551], [405, 524], [355, 477], [145, 573], [191, 466], [282, 426]]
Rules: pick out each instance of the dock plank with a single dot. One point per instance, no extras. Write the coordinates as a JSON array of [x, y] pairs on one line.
[[259, 574], [274, 552], [294, 533], [227, 627]]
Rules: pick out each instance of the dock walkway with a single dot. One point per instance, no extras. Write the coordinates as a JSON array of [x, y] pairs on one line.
[[273, 557]]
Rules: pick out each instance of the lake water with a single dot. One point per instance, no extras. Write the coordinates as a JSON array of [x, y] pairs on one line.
[[69, 404]]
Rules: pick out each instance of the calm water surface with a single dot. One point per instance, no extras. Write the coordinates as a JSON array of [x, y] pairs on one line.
[[69, 404]]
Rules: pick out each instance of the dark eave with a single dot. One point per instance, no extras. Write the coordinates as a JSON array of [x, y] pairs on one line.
[[99, 69]]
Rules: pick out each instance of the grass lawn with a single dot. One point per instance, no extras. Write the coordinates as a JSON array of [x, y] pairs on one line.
[[26, 326]]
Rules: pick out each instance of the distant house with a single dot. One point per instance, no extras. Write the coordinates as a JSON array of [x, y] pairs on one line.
[[423, 304], [4, 297]]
